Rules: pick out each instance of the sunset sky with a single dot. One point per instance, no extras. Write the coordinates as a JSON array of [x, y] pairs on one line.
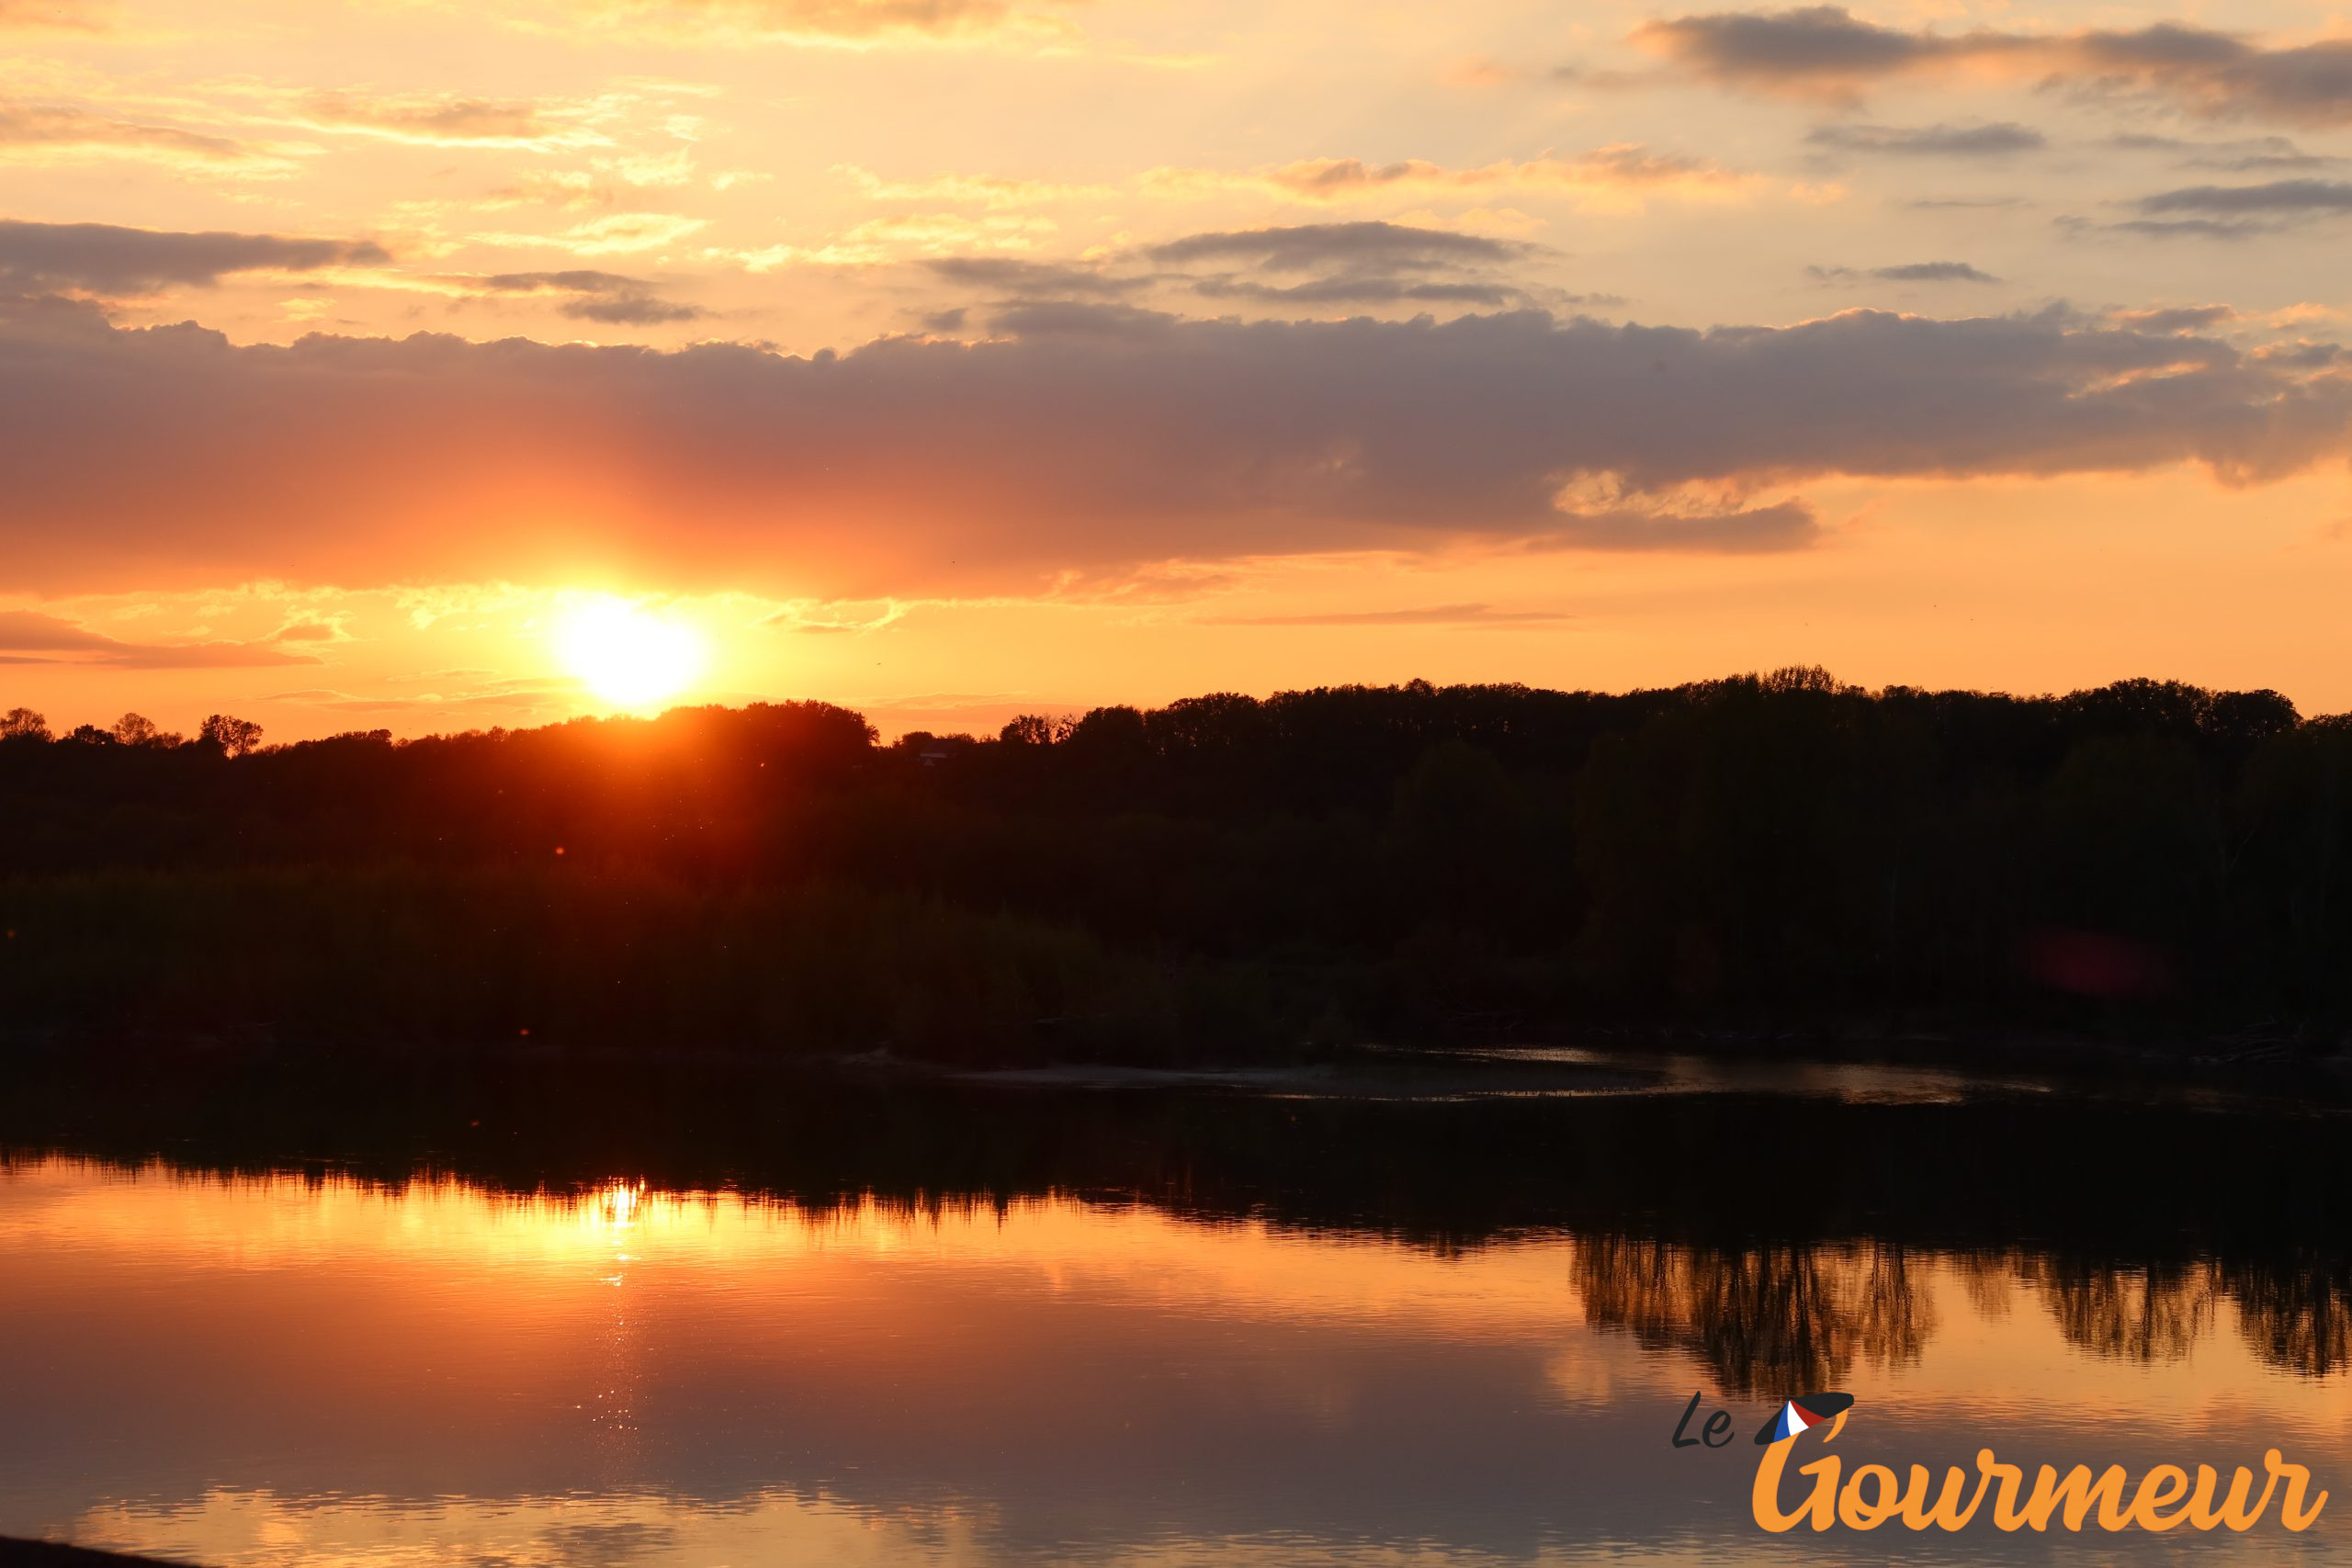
[[955, 358]]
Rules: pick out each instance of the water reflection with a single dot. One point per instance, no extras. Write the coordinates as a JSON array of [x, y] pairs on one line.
[[1055, 1329], [1766, 1323], [2137, 1314], [2297, 1312]]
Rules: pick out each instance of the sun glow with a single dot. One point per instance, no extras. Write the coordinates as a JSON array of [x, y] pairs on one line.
[[627, 657]]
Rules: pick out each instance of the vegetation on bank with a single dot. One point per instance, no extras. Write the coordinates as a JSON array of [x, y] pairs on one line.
[[1221, 877]]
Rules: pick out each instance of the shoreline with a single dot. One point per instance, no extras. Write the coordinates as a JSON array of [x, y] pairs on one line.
[[2265, 1044], [18, 1551]]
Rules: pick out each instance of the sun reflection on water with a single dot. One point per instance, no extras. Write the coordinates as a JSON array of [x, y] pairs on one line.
[[429, 1370]]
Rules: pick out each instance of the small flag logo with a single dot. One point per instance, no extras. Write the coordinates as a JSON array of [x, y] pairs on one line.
[[1804, 1412]]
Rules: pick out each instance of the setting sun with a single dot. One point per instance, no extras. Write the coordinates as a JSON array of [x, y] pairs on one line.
[[627, 656]]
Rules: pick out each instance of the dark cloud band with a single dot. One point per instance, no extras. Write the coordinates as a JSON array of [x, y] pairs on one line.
[[1080, 437], [1827, 51]]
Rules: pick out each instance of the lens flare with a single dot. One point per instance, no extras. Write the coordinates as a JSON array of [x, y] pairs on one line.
[[627, 657]]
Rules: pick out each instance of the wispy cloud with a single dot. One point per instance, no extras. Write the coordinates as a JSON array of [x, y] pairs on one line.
[[589, 295], [1423, 615], [2228, 212], [2250, 155], [1905, 272], [1017, 278], [2000, 140], [2296, 198], [851, 23], [1347, 264], [914, 236], [619, 234], [29, 636], [31, 132], [1620, 175], [992, 191], [441, 121]]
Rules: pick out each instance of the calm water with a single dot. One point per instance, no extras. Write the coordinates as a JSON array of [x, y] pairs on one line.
[[1145, 1327]]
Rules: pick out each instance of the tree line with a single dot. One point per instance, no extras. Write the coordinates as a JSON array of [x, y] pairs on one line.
[[1223, 875]]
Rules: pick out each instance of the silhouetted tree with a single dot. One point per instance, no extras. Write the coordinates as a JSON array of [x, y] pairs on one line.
[[1034, 729], [23, 723], [231, 737], [137, 729]]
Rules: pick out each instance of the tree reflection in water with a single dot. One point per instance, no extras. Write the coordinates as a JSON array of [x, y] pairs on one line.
[[1774, 1287], [2296, 1315], [1767, 1322], [1771, 1322], [2135, 1315]]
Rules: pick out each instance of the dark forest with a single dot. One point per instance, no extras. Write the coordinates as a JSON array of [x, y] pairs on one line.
[[1221, 878]]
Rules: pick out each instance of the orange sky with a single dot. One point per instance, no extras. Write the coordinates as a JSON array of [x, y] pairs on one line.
[[958, 360]]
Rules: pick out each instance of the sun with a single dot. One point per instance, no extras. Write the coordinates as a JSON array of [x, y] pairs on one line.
[[627, 657]]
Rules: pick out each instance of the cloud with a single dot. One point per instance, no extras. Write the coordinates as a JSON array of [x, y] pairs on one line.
[[1730, 530], [2279, 198], [1617, 174], [27, 637], [1818, 50], [810, 616], [1355, 263], [992, 191], [2229, 212], [2178, 228], [1015, 277], [1077, 438], [633, 311], [1996, 140], [309, 629], [591, 296], [1908, 272], [2303, 356], [618, 234], [1307, 245], [1426, 616], [1304, 265], [1826, 52], [900, 237], [850, 21], [570, 189], [2260, 155], [477, 122], [37, 131], [1964, 204], [1934, 272], [1359, 289], [539, 695], [104, 259], [2175, 319]]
